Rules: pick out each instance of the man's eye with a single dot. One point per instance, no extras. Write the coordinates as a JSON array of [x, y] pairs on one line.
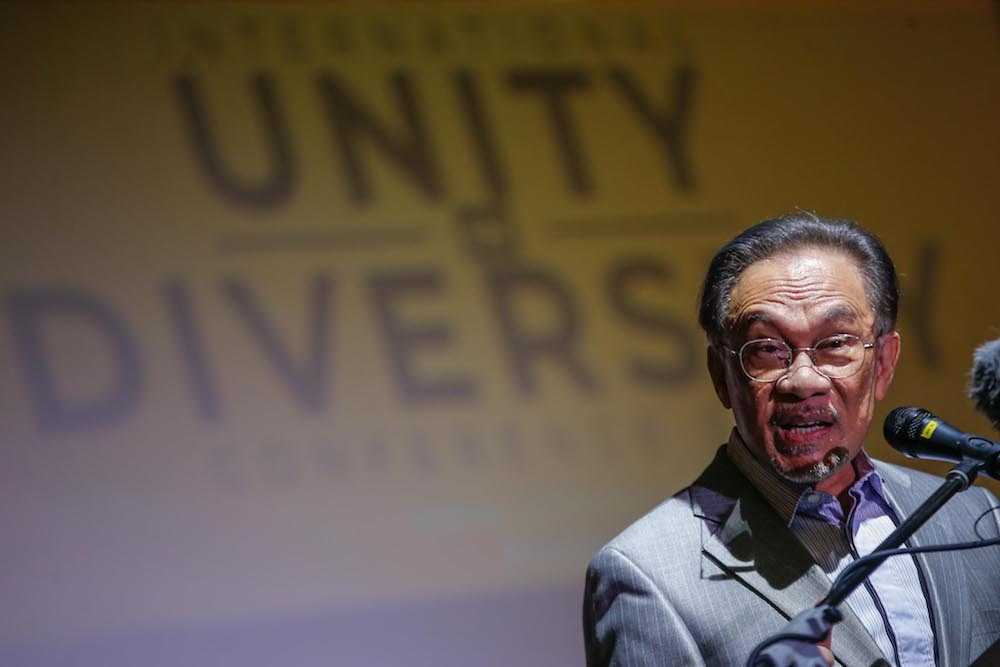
[[769, 350], [837, 343]]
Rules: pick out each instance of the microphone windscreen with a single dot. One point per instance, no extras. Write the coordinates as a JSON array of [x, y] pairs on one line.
[[902, 426], [984, 384]]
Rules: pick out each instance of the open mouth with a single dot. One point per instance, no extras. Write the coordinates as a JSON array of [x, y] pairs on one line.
[[804, 428], [803, 423]]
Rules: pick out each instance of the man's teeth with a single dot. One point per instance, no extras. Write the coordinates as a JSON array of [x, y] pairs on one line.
[[804, 428]]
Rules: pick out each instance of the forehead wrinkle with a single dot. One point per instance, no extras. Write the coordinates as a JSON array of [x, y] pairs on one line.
[[804, 285], [834, 314], [803, 281]]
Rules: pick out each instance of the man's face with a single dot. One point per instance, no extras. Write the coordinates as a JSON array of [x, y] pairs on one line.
[[806, 426]]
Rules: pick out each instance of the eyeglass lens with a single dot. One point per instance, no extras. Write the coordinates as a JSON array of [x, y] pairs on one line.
[[836, 356]]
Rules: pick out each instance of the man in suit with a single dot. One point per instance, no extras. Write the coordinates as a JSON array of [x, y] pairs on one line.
[[800, 317]]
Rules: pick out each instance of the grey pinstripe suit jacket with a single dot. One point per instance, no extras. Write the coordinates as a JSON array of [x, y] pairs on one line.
[[712, 571]]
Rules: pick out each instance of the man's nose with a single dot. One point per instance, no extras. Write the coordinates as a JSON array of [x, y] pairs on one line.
[[803, 379]]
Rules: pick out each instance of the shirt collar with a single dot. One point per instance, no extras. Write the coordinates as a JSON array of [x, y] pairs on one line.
[[780, 494]]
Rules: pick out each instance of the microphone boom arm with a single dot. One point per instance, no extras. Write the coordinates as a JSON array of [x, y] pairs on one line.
[[958, 479], [812, 624]]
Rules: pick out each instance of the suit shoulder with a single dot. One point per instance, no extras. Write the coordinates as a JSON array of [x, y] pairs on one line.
[[673, 530], [661, 530], [897, 474], [922, 484], [910, 478]]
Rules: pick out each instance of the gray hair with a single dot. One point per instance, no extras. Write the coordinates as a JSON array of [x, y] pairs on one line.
[[789, 232]]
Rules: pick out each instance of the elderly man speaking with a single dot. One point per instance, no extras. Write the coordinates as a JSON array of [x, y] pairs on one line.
[[800, 316]]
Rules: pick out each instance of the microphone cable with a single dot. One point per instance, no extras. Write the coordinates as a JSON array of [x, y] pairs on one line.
[[901, 551], [875, 555]]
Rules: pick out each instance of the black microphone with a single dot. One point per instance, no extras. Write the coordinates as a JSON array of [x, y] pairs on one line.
[[984, 381], [919, 434]]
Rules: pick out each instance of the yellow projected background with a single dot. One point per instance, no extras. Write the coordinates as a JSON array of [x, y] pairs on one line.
[[318, 307]]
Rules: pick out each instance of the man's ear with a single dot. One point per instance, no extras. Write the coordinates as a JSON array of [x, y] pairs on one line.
[[717, 369], [887, 354]]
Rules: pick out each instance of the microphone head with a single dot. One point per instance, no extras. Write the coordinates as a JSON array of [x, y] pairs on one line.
[[902, 427], [984, 381]]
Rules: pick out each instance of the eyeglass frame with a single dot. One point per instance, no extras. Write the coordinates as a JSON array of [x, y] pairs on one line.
[[793, 352]]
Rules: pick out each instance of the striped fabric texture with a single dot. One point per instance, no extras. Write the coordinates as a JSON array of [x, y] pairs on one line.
[[891, 604], [713, 570]]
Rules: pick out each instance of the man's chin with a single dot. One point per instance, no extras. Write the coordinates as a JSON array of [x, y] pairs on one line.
[[813, 472]]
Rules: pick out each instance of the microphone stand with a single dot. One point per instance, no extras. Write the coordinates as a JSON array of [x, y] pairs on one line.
[[958, 479], [812, 625]]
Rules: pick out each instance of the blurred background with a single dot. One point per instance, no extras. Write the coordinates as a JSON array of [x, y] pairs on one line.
[[347, 333]]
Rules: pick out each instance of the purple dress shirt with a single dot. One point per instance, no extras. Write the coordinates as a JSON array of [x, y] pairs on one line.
[[892, 603]]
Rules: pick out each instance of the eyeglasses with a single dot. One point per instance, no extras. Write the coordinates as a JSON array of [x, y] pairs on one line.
[[768, 359]]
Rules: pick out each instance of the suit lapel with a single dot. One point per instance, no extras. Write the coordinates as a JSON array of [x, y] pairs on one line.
[[943, 572], [755, 547], [768, 560]]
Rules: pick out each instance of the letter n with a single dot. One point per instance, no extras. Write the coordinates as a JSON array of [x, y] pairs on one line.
[[409, 149]]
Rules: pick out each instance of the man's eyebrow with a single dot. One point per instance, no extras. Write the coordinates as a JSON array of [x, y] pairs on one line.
[[833, 315], [741, 325], [840, 314]]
